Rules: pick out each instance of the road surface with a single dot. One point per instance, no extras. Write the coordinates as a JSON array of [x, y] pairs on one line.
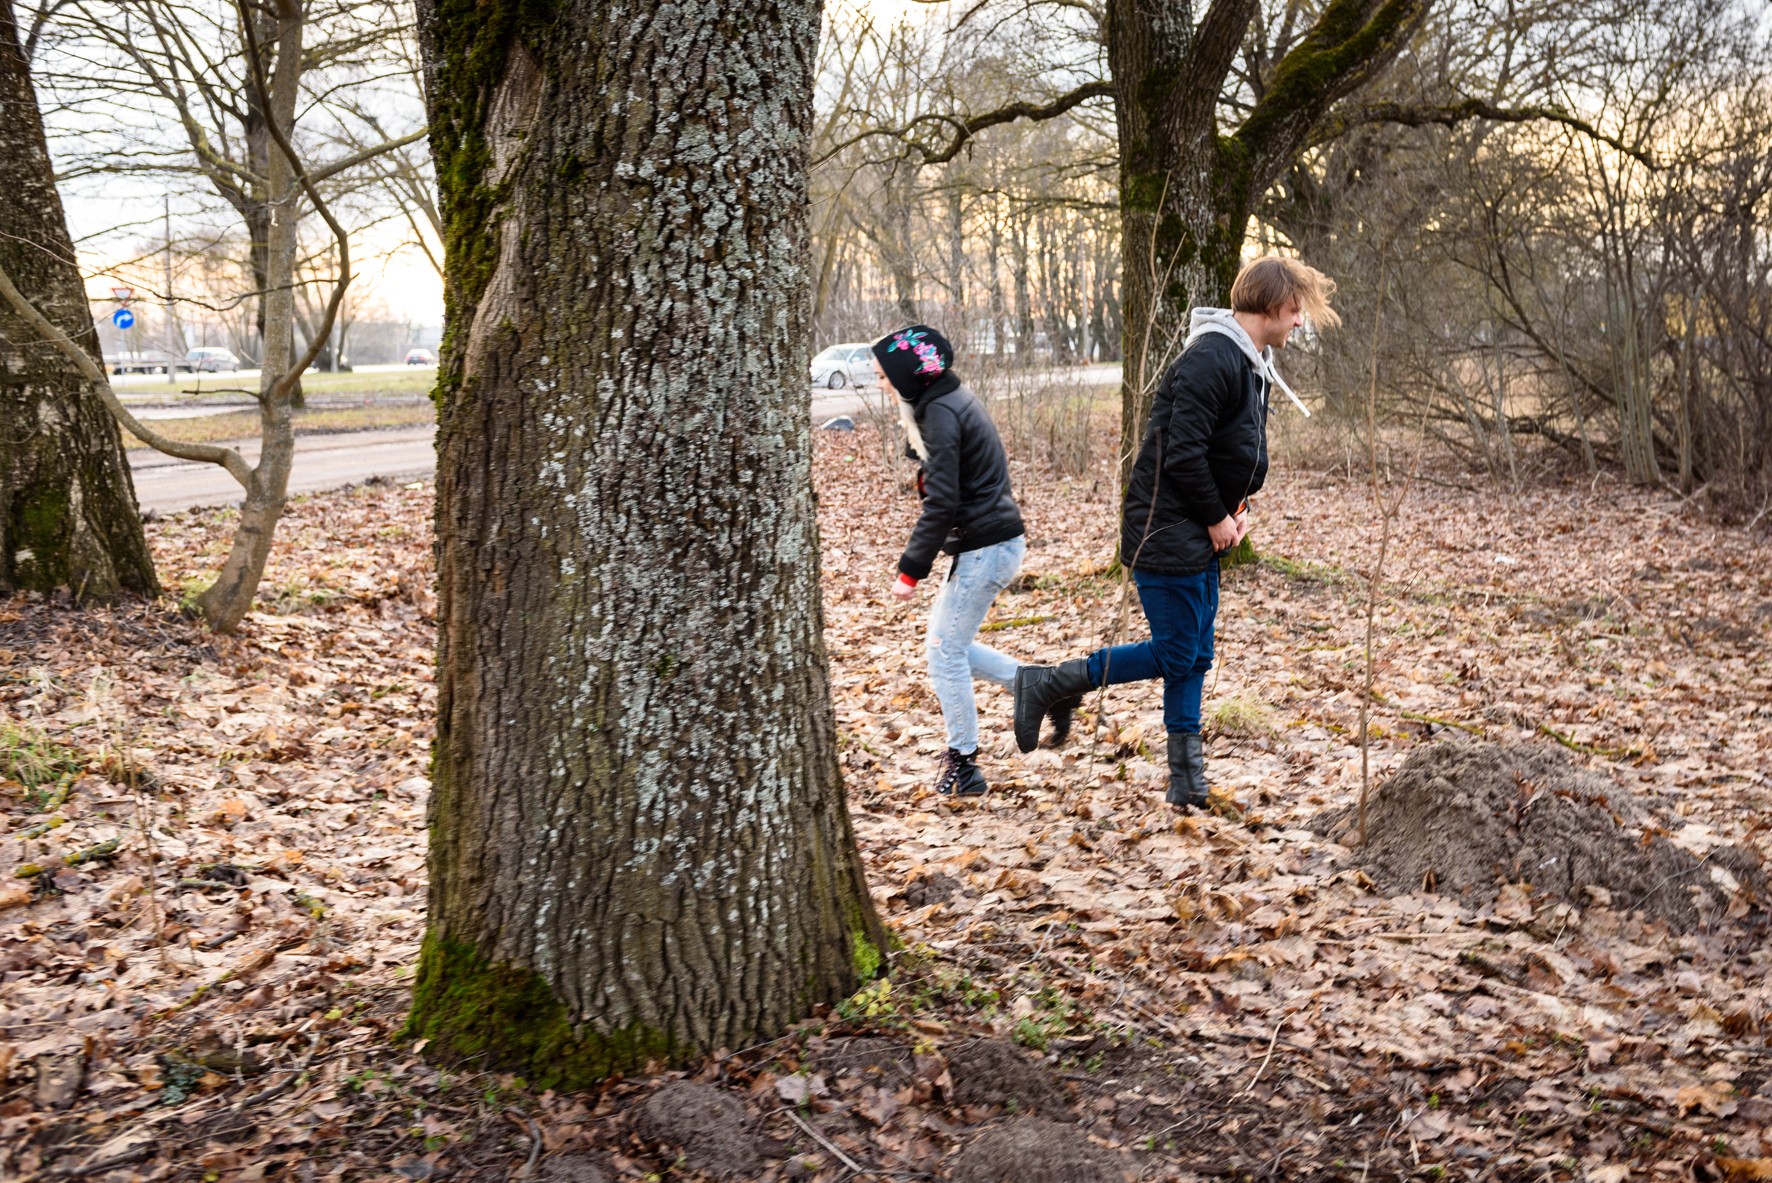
[[322, 462]]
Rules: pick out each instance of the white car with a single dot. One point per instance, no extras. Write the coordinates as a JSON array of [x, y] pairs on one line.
[[844, 365], [210, 360]]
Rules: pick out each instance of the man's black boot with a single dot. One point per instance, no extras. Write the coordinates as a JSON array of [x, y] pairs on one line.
[[960, 776], [1041, 688], [1187, 771]]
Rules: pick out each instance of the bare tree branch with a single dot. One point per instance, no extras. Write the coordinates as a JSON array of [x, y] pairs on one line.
[[207, 453], [39, 19], [352, 161], [1451, 114], [286, 383], [965, 129], [1349, 43]]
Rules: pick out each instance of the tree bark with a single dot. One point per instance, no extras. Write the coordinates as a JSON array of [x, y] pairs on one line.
[[1187, 186], [640, 846], [68, 514], [225, 603]]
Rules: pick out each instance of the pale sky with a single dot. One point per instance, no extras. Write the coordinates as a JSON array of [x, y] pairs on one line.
[[115, 217]]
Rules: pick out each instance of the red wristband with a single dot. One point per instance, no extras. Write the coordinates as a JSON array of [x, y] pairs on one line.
[[906, 580]]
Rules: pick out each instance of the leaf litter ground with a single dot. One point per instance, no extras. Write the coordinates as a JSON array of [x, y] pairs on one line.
[[1090, 987]]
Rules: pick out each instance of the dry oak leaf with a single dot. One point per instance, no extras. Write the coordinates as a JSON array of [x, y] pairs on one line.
[[1716, 1099], [1740, 1170]]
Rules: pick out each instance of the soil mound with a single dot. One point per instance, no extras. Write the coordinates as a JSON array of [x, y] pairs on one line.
[[709, 1127], [571, 1168], [1034, 1150], [993, 1072], [1463, 818]]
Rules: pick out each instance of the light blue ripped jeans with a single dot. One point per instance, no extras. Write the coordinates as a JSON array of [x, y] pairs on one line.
[[954, 657]]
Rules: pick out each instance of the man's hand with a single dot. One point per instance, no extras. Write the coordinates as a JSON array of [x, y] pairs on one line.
[[904, 588], [1225, 534], [1241, 517]]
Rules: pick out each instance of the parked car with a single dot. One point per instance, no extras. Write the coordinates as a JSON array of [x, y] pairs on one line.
[[420, 357], [210, 360], [843, 365], [142, 361]]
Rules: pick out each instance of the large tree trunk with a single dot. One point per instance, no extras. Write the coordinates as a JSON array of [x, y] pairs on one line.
[[640, 847], [68, 515], [1187, 187], [1184, 193]]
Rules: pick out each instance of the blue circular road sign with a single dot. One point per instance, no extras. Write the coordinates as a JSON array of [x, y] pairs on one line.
[[123, 318]]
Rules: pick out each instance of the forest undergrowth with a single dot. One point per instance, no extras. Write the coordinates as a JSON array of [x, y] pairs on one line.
[[212, 875]]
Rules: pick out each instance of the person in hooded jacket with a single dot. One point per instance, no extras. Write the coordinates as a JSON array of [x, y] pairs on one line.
[[970, 513], [1203, 456]]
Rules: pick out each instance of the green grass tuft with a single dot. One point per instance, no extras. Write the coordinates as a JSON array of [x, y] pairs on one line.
[[1238, 715]]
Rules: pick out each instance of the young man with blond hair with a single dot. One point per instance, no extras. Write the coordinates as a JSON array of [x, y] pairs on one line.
[[1204, 454]]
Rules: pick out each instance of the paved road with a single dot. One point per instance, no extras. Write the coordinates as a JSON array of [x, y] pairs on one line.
[[167, 485], [321, 462], [245, 377], [330, 461]]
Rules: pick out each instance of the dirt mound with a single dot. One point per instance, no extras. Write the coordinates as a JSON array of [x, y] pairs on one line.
[[1463, 818], [993, 1072], [1034, 1150], [709, 1127], [571, 1168]]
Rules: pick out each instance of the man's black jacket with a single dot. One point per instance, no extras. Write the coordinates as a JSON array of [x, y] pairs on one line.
[[967, 503], [1204, 452]]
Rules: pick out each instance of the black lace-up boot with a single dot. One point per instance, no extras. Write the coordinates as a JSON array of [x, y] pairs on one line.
[[1187, 771], [960, 776]]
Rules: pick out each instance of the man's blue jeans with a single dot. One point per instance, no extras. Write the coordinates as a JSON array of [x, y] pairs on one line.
[[954, 657], [1181, 610]]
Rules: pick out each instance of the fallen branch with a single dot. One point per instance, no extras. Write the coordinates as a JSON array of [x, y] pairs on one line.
[[997, 626], [1588, 749], [249, 965], [828, 1144], [1265, 1060], [93, 853]]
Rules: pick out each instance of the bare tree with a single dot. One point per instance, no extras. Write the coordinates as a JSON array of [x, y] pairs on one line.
[[234, 79]]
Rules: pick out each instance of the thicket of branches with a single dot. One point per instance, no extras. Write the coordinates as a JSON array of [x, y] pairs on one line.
[[1013, 243], [1566, 204], [1602, 293], [152, 114]]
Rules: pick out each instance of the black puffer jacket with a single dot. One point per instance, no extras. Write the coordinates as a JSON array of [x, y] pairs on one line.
[[1204, 452], [964, 481]]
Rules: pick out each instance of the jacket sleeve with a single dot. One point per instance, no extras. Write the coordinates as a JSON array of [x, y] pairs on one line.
[[1198, 387], [941, 493]]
